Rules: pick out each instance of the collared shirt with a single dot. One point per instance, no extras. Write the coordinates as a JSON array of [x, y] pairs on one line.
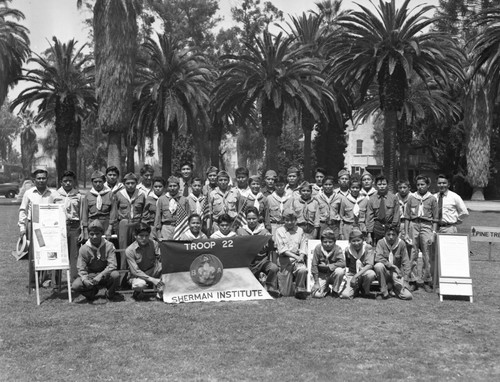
[[402, 203], [454, 208], [243, 192], [276, 207], [189, 236], [347, 210], [193, 207], [421, 207], [343, 193], [117, 187], [143, 189], [185, 186], [262, 205], [259, 230], [391, 210], [329, 206], [357, 260], [223, 202], [96, 260], [292, 240], [90, 211], [128, 207], [72, 201], [143, 259], [307, 211], [220, 235], [322, 259], [266, 191], [208, 188], [163, 213], [149, 213], [30, 197], [292, 192], [399, 256], [370, 192]]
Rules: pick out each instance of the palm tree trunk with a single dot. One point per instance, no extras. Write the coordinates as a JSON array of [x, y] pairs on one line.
[[62, 153], [272, 126], [478, 119], [272, 151], [215, 139], [404, 135], [390, 126], [130, 158], [167, 149], [74, 143], [307, 127], [114, 149], [242, 152]]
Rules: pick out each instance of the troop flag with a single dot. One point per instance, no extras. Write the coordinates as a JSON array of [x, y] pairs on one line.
[[211, 270], [241, 218]]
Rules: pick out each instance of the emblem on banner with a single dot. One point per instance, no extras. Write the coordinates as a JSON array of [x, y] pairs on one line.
[[206, 270]]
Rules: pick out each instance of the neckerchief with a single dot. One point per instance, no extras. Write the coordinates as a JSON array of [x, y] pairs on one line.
[[173, 202], [391, 249], [402, 203], [357, 255], [131, 200], [343, 193], [256, 231], [368, 193], [98, 194], [421, 199], [305, 211], [255, 199], [198, 200], [355, 201], [327, 254], [281, 199], [67, 200], [97, 249], [117, 187]]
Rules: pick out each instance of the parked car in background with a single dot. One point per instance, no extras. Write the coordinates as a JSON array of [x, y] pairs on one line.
[[9, 190]]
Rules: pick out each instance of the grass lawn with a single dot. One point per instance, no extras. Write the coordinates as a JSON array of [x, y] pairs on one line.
[[283, 340]]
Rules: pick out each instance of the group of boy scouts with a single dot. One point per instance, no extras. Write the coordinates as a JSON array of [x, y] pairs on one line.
[[386, 232]]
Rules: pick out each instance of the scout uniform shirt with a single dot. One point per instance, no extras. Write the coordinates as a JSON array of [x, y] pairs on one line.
[[92, 260], [306, 211], [97, 205], [221, 202], [421, 207], [143, 262], [72, 202], [276, 207], [328, 207], [355, 261], [149, 213], [322, 259], [167, 209], [117, 187], [128, 207], [396, 254], [390, 214], [353, 210], [260, 202], [370, 192]]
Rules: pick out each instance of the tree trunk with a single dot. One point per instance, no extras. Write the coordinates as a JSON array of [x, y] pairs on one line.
[[477, 120], [307, 127], [115, 149], [166, 159], [242, 152], [130, 158], [404, 135], [272, 126], [62, 153], [74, 143], [390, 126], [215, 139], [272, 151]]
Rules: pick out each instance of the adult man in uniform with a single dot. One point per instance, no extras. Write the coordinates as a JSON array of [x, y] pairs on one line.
[[451, 207]]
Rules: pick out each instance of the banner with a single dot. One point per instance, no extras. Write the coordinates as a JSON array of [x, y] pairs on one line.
[[211, 270]]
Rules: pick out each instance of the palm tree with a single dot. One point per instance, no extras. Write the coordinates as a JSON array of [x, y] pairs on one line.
[[172, 90], [29, 145], [268, 75], [387, 47], [115, 49], [62, 90], [14, 47]]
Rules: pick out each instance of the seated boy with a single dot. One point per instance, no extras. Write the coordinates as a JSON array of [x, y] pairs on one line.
[[144, 262], [392, 266], [359, 259], [261, 263], [291, 245], [96, 266], [194, 232], [328, 266], [225, 228]]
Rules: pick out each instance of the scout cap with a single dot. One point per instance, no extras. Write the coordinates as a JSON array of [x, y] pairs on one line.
[[366, 173], [97, 174], [355, 233], [40, 171], [130, 176], [292, 170], [96, 226], [222, 174], [254, 178], [212, 170], [343, 172], [271, 174]]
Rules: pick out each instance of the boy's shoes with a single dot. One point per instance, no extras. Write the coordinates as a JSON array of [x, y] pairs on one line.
[[382, 296], [138, 295], [273, 292], [46, 284], [413, 287], [301, 295], [427, 288], [334, 294], [159, 296], [116, 297]]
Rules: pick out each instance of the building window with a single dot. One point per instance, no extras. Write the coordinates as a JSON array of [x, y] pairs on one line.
[[356, 170], [359, 146]]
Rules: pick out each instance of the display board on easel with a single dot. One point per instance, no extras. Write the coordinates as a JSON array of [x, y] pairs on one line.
[[50, 244], [454, 265]]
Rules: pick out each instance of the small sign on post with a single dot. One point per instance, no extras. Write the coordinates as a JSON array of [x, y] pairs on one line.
[[485, 234]]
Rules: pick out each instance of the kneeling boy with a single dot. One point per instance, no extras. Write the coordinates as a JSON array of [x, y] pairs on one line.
[[96, 265], [392, 265], [144, 262], [328, 266], [359, 259]]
